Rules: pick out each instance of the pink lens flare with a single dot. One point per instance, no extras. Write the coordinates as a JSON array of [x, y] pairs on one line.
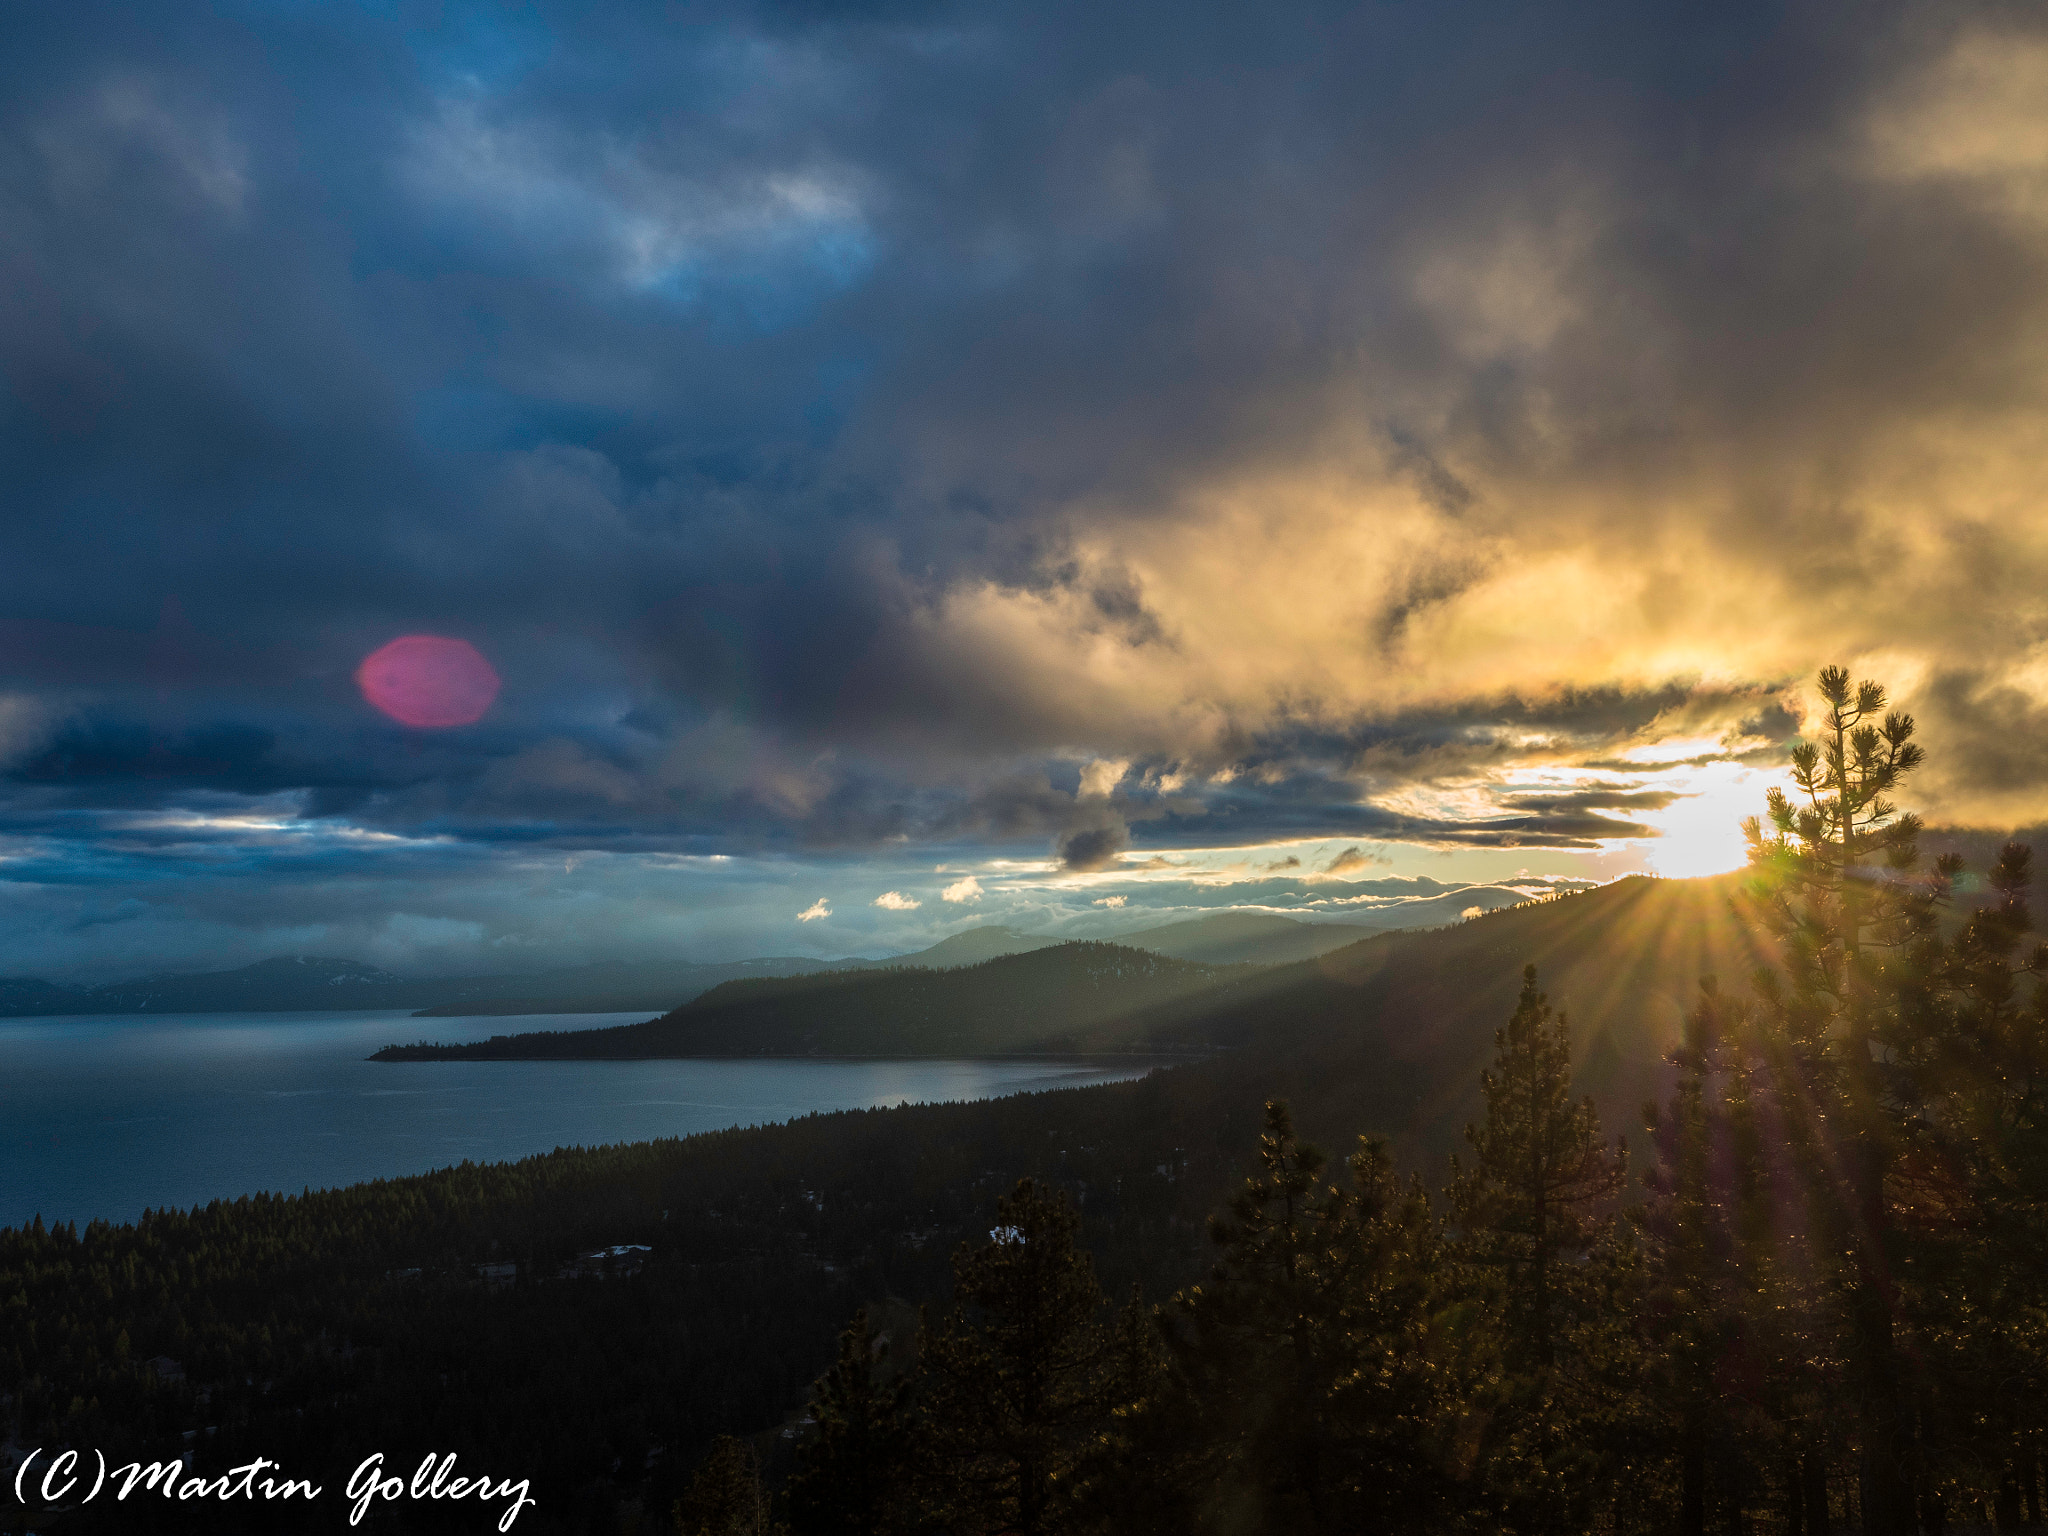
[[429, 681]]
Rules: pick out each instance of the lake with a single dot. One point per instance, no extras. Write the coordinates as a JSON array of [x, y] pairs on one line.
[[105, 1116]]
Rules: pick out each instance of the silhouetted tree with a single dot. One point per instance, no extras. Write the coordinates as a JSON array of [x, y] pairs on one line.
[[1139, 1477], [1690, 1252], [1326, 1392], [1529, 1212], [851, 1473], [1018, 1379], [725, 1498], [1833, 880], [1729, 1297], [1542, 1172], [1969, 1195]]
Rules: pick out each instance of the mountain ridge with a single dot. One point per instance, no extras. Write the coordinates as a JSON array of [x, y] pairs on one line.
[[1055, 999], [303, 983]]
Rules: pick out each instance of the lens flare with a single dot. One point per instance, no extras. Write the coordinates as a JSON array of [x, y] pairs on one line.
[[428, 681]]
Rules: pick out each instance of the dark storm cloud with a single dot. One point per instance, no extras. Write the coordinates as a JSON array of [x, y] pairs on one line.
[[838, 424], [1597, 797], [1092, 848], [1349, 860], [1263, 821]]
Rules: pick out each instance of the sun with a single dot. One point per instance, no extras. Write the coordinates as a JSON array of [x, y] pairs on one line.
[[1702, 830]]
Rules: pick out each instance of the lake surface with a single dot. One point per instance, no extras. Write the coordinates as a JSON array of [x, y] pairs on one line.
[[104, 1116]]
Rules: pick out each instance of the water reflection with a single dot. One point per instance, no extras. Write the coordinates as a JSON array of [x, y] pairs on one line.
[[104, 1116]]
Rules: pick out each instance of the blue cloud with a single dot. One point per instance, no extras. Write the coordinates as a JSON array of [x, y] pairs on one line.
[[703, 374]]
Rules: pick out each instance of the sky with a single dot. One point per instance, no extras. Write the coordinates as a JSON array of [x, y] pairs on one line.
[[845, 473]]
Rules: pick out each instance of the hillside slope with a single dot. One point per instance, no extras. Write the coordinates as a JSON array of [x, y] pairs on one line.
[[658, 988], [609, 988], [1240, 938], [1419, 1009], [973, 946], [1064, 998]]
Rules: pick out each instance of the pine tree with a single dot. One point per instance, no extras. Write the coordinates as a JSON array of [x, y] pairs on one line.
[[1017, 1380], [1981, 1070], [1325, 1396], [850, 1481], [1542, 1173], [1140, 1474], [1729, 1298], [1832, 880], [725, 1498], [1970, 1195], [1529, 1210], [1690, 1242]]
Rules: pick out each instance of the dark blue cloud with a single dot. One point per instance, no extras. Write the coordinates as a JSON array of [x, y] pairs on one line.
[[692, 368]]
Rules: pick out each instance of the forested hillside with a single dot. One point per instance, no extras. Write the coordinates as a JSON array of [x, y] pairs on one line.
[[1080, 997], [1623, 962]]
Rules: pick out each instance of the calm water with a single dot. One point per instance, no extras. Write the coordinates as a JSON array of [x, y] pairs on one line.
[[105, 1116]]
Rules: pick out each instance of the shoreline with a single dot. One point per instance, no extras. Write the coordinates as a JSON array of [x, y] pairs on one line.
[[1162, 1057]]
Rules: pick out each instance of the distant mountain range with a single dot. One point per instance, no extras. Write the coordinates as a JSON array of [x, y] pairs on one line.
[[1246, 938], [299, 983], [309, 982], [305, 982]]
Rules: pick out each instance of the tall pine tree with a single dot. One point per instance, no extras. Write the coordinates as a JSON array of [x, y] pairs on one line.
[[1326, 1392], [725, 1498], [1542, 1173], [1837, 879], [1731, 1300], [1529, 1209], [1018, 1378], [850, 1478]]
